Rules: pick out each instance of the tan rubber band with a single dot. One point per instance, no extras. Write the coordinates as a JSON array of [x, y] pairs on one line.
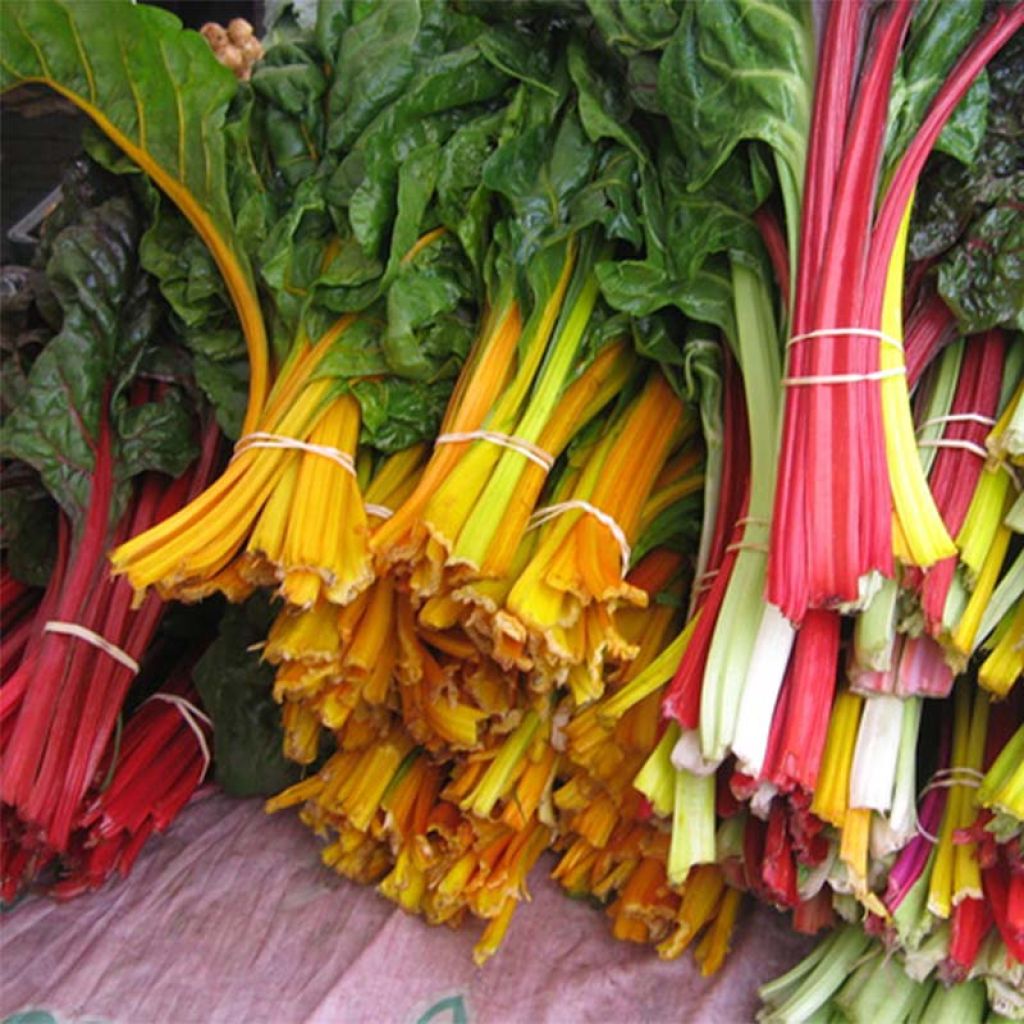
[[952, 442], [846, 332], [261, 439], [517, 444], [744, 546], [947, 779], [958, 417], [544, 515], [80, 632], [192, 716], [380, 511]]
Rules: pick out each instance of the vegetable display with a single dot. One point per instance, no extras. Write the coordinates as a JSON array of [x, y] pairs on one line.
[[627, 409]]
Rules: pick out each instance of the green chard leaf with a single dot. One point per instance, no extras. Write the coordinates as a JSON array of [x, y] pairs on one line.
[[982, 279], [629, 26], [161, 98], [111, 317], [235, 686], [28, 525], [940, 32], [737, 70]]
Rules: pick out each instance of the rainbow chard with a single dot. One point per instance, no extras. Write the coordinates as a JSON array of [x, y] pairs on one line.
[[112, 447]]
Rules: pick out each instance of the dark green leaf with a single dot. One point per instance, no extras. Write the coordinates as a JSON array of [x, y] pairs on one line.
[[28, 526], [236, 687], [398, 413], [939, 33], [737, 70], [982, 279], [627, 25]]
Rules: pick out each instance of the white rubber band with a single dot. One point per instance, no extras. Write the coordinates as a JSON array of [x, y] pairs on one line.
[[192, 716], [261, 439], [544, 515], [952, 442], [966, 777], [517, 444], [846, 332], [947, 778], [100, 643], [923, 832], [958, 417], [845, 378], [380, 511]]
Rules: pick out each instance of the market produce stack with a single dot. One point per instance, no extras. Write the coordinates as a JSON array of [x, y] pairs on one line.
[[627, 408]]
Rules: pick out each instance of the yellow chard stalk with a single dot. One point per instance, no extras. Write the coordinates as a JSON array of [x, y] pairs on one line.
[[920, 531]]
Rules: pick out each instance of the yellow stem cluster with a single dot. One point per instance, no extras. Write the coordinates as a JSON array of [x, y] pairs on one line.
[[263, 520]]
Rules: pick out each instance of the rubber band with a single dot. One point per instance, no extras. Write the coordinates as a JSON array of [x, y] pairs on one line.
[[923, 832], [752, 521], [845, 378], [192, 716], [261, 439], [741, 545], [970, 780], [550, 512], [957, 443], [958, 770], [516, 444], [958, 417], [101, 643], [380, 511], [1011, 473], [845, 332], [947, 778], [705, 581]]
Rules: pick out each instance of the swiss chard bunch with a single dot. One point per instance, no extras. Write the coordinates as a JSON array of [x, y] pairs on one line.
[[108, 422]]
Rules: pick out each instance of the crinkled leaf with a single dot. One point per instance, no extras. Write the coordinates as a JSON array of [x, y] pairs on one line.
[[225, 384], [950, 194], [519, 53], [610, 199], [539, 172], [1006, 85], [963, 133], [55, 427], [676, 528], [236, 686], [939, 33], [641, 289], [356, 353], [291, 83], [28, 526], [463, 202], [982, 279], [157, 92], [605, 107], [429, 298], [443, 93], [398, 413], [631, 26], [737, 70], [375, 61], [156, 436], [189, 280]]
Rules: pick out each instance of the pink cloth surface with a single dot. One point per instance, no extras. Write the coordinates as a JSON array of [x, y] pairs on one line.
[[230, 917]]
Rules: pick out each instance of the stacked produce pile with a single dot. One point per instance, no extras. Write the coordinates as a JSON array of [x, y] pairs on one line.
[[628, 419]]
